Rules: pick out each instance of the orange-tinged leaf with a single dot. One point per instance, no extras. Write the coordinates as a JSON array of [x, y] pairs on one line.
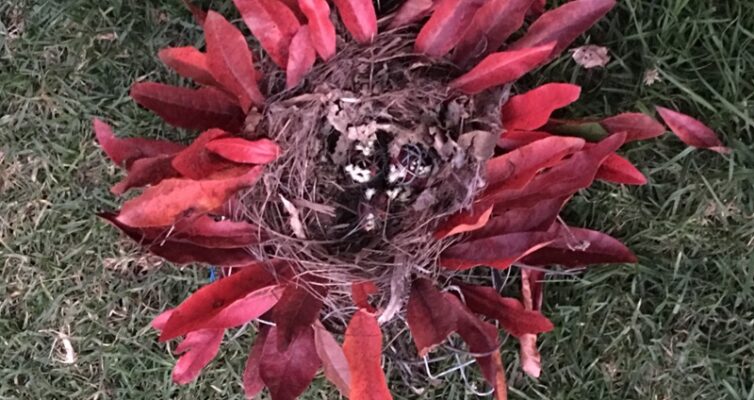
[[262, 151], [146, 171], [198, 348], [617, 169], [200, 109], [637, 126], [492, 24], [578, 247], [295, 313], [429, 315], [531, 295], [301, 58], [446, 26], [499, 251], [692, 131], [464, 222], [501, 68], [363, 349], [163, 204], [321, 28], [412, 11], [333, 359], [206, 303], [197, 162], [188, 62], [252, 382], [230, 60], [564, 24], [360, 291], [273, 24], [288, 373], [359, 18], [532, 110], [124, 152], [509, 312]]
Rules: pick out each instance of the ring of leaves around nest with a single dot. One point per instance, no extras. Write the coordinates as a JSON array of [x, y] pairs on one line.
[[383, 187]]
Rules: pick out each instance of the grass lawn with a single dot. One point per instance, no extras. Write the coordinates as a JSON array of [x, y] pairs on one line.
[[679, 325]]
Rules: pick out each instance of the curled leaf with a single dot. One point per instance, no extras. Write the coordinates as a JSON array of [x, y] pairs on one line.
[[532, 110], [692, 131], [464, 222], [360, 291], [531, 293]]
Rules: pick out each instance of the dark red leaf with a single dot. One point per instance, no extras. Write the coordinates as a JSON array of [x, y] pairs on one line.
[[516, 168], [363, 349], [360, 291], [579, 247], [321, 28], [617, 169], [510, 140], [538, 7], [288, 373], [637, 126], [412, 11], [199, 348], [147, 171], [188, 62], [273, 24], [537, 216], [359, 17], [429, 315], [446, 26], [501, 68], [563, 24], [199, 15], [295, 313], [163, 204], [499, 251], [262, 151], [333, 359], [200, 109], [208, 232], [230, 60], [464, 222], [492, 24], [252, 382], [209, 301], [301, 57], [509, 312], [197, 161], [691, 131], [124, 152], [532, 110]]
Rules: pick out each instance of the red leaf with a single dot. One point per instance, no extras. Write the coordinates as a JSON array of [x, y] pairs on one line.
[[532, 110], [200, 109], [508, 311], [206, 303], [321, 28], [446, 26], [617, 169], [262, 151], [515, 169], [359, 17], [197, 162], [510, 140], [295, 313], [230, 60], [531, 292], [412, 11], [492, 24], [496, 251], [199, 15], [188, 62], [481, 338], [161, 205], [333, 359], [181, 252], [637, 126], [288, 373], [501, 68], [273, 24], [146, 171], [563, 24], [249, 308], [537, 216], [200, 347], [464, 222], [360, 291], [252, 382], [429, 315], [363, 349], [579, 247], [691, 131], [224, 234], [124, 152], [301, 58]]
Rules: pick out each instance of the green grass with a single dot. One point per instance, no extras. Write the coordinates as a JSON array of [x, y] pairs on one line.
[[677, 325]]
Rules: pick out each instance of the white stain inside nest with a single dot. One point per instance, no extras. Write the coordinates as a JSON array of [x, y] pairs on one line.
[[392, 194], [396, 173], [358, 174], [370, 222], [369, 193]]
